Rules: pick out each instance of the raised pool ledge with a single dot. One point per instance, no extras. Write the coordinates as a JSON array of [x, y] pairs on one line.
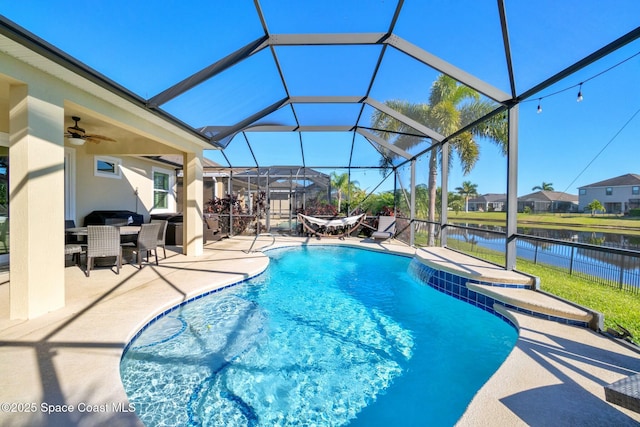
[[488, 286]]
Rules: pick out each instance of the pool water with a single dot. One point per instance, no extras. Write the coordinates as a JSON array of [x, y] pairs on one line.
[[327, 336]]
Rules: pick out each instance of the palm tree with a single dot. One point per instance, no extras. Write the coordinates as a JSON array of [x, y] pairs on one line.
[[467, 190], [343, 186], [546, 186], [595, 206], [422, 201], [450, 107]]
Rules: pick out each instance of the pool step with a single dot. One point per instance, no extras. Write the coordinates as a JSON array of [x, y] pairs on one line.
[[538, 303]]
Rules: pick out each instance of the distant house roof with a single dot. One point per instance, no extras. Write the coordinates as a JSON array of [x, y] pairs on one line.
[[489, 198], [548, 196], [627, 179]]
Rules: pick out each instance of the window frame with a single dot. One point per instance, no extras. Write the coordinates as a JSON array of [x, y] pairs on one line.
[[170, 191], [608, 191], [117, 166]]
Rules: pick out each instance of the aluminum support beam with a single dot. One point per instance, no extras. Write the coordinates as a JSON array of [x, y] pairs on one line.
[[208, 72], [375, 138], [292, 128], [326, 99], [327, 39], [512, 189], [507, 46], [400, 44], [444, 197], [404, 119], [449, 69], [412, 224], [600, 53], [230, 132]]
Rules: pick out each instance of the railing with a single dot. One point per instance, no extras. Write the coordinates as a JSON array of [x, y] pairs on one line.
[[614, 267], [619, 268]]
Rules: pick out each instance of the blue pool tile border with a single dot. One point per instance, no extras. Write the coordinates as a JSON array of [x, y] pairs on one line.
[[456, 286]]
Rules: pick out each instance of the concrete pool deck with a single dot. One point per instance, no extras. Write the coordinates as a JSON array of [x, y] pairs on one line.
[[69, 359]]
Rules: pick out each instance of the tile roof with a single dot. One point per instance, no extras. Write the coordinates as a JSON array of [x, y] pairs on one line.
[[551, 196], [627, 179], [489, 197]]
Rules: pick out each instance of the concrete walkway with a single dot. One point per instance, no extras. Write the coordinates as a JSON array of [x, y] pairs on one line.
[[69, 359]]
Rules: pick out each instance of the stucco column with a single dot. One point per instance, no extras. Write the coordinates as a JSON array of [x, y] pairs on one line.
[[192, 204], [36, 208]]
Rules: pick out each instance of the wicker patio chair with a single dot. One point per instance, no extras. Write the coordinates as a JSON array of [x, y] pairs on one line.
[[69, 238], [4, 234], [75, 250], [162, 233], [147, 242], [103, 241]]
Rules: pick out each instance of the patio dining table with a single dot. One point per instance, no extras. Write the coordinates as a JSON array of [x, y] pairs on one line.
[[125, 230], [128, 234]]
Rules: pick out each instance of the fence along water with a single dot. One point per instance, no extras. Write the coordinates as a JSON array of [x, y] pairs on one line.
[[614, 267]]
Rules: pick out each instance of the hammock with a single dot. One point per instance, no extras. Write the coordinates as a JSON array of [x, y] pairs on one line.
[[340, 227]]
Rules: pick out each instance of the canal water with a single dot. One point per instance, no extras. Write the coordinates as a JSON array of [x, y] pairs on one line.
[[611, 267]]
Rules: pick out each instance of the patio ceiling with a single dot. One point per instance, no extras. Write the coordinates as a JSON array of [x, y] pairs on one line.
[[284, 82]]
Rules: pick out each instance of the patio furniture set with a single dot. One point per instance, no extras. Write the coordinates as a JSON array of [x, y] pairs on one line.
[[107, 241]]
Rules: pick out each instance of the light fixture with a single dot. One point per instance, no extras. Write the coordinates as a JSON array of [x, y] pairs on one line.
[[579, 94], [74, 140], [539, 106]]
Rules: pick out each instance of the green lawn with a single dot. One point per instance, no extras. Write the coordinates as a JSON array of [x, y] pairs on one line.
[[619, 307]]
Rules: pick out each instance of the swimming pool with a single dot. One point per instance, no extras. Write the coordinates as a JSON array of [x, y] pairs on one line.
[[326, 336]]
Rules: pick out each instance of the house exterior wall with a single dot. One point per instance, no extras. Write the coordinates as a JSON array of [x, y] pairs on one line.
[[616, 202], [486, 206], [37, 96], [133, 191]]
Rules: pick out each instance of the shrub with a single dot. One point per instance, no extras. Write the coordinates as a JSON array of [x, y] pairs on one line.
[[224, 206], [317, 207]]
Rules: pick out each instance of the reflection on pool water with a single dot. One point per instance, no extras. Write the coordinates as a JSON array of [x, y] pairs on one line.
[[326, 336]]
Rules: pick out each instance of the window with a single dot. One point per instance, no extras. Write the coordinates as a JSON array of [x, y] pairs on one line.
[[162, 190], [635, 190], [107, 167], [609, 191], [583, 191]]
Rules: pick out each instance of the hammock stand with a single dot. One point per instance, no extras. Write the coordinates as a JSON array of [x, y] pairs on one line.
[[325, 227]]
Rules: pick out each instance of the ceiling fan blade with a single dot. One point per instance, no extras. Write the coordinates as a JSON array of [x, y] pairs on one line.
[[76, 131], [99, 138]]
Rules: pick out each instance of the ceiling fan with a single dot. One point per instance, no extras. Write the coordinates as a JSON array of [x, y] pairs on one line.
[[77, 136]]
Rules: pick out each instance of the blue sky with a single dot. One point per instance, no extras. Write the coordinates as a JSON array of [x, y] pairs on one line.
[[146, 47]]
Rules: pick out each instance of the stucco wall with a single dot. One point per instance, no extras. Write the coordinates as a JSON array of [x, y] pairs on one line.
[[620, 194], [101, 193]]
